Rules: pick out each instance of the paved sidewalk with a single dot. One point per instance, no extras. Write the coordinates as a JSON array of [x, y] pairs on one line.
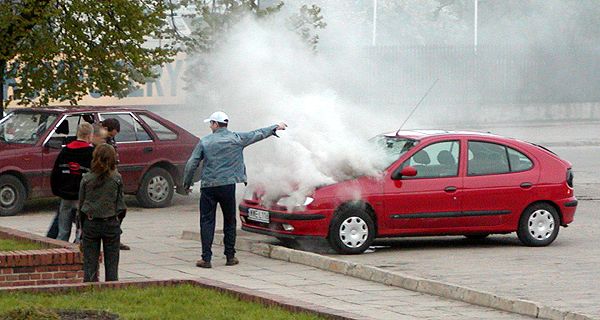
[[158, 253]]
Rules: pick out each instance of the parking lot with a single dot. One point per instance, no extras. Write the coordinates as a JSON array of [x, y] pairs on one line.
[[564, 275]]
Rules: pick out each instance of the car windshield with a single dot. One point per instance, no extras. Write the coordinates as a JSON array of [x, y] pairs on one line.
[[393, 147], [25, 127]]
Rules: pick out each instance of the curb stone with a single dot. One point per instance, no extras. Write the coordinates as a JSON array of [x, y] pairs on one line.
[[401, 280]]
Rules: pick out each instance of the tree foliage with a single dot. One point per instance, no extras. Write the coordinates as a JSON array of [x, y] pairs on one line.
[[213, 20], [64, 49]]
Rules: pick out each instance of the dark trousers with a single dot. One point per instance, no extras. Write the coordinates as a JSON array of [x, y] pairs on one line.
[[209, 198], [53, 230], [107, 233]]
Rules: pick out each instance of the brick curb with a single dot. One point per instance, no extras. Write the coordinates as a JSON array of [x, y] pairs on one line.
[[402, 280], [241, 293], [59, 262]]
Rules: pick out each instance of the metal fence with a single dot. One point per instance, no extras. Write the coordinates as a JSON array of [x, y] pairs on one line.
[[490, 75]]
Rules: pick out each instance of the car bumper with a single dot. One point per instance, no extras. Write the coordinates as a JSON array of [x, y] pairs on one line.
[[567, 208], [307, 223]]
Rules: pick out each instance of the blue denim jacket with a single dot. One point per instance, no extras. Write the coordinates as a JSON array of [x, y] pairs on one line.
[[222, 152]]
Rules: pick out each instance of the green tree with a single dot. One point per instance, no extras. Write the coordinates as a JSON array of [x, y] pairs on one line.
[[64, 49], [213, 19]]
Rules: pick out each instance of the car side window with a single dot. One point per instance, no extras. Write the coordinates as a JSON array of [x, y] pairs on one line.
[[66, 131], [487, 158], [518, 161], [131, 129], [159, 129], [435, 160]]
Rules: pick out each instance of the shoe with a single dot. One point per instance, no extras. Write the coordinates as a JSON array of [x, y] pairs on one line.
[[124, 247], [232, 261], [203, 264]]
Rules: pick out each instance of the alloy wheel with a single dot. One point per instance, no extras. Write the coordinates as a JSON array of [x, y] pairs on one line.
[[8, 196], [541, 224], [353, 232], [158, 189]]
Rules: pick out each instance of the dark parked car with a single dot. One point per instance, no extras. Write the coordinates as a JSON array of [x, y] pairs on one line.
[[437, 183], [152, 152]]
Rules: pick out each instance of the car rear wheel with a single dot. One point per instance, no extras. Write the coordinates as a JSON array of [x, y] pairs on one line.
[[351, 231], [157, 189], [538, 225], [12, 195]]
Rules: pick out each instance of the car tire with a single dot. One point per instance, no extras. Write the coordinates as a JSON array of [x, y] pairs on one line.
[[12, 195], [156, 190], [351, 230], [538, 225], [477, 236]]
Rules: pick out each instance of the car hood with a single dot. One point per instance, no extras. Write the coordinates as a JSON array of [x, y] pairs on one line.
[[352, 189]]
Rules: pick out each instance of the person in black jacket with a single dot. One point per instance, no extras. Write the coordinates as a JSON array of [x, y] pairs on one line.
[[72, 162]]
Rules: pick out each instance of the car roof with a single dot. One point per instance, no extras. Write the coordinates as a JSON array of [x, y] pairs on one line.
[[426, 133], [72, 109]]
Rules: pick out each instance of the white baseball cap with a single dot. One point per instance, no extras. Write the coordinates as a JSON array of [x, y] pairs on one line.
[[218, 116]]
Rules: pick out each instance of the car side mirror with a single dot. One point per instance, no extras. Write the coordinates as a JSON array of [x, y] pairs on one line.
[[54, 144], [407, 171]]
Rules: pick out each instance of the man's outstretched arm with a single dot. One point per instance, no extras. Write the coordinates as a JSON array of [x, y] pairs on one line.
[[248, 138]]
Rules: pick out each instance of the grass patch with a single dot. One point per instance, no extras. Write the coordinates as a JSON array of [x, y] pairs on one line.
[[12, 245], [176, 302]]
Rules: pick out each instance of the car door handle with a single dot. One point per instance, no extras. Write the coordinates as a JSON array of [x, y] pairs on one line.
[[450, 189], [148, 149], [526, 185]]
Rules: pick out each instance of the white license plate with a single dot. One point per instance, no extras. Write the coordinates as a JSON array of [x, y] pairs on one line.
[[258, 215]]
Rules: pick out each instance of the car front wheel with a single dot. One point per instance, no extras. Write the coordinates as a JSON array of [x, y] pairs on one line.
[[538, 225], [12, 195], [351, 231], [157, 189]]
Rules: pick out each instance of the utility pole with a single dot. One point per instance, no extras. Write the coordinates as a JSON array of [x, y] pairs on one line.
[[475, 24], [374, 42]]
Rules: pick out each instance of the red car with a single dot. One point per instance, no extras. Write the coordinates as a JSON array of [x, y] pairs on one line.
[[152, 152], [437, 183]]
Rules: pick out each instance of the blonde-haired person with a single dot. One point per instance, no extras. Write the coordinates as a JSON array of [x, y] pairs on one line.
[[72, 162], [100, 135], [100, 204]]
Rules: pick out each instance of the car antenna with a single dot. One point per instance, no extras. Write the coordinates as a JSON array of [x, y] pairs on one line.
[[417, 105]]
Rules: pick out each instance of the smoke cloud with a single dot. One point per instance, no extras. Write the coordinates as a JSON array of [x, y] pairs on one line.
[[265, 74]]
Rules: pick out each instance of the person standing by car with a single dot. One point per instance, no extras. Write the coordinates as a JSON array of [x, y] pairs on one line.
[[101, 204], [113, 127], [100, 135], [72, 162], [222, 153]]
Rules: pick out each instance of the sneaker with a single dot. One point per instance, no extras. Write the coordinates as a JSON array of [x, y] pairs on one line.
[[124, 247], [203, 264], [232, 261]]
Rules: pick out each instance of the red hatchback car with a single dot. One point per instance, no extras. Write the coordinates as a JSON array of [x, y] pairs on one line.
[[152, 152], [437, 183]]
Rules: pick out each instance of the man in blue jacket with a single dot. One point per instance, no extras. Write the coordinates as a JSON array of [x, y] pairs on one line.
[[222, 153]]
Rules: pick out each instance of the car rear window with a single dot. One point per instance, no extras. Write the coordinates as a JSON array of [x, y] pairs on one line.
[[492, 158], [161, 131]]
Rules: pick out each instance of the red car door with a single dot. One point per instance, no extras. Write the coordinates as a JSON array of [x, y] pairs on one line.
[[135, 148], [499, 183], [431, 199]]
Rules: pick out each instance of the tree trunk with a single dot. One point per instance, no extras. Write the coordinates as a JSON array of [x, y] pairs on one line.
[[2, 81]]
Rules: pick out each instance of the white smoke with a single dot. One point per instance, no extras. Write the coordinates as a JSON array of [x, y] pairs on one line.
[[265, 74]]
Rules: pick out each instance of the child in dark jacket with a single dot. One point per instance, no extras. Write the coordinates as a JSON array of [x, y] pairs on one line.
[[73, 161], [101, 203]]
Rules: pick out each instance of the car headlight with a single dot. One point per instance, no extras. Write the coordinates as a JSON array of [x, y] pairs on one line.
[[294, 202]]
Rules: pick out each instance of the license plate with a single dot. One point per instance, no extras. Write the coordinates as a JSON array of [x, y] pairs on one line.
[[258, 215]]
